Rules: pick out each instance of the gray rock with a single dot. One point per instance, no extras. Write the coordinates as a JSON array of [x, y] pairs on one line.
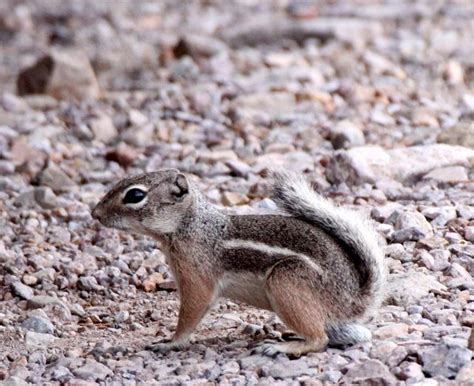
[[230, 367], [40, 301], [291, 369], [441, 257], [372, 163], [331, 376], [465, 376], [297, 161], [38, 324], [93, 370], [55, 178], [445, 360], [253, 361], [6, 167], [213, 373], [103, 128], [198, 46], [469, 233], [436, 260], [460, 134], [407, 234], [63, 75], [413, 220], [21, 290], [450, 174], [408, 288], [381, 118], [440, 215], [15, 381], [122, 316], [462, 283], [239, 168], [26, 199], [411, 371], [457, 270], [266, 29], [384, 212], [396, 357], [465, 211], [88, 283], [77, 309], [395, 251], [273, 104], [38, 340], [370, 371], [411, 226], [46, 198], [346, 135], [61, 374], [393, 330]]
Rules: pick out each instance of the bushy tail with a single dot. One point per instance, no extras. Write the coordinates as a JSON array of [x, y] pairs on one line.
[[347, 334], [292, 193]]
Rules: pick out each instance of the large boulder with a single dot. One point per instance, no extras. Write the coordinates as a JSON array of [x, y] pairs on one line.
[[408, 288], [62, 75], [368, 164]]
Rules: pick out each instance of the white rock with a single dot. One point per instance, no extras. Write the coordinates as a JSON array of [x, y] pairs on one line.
[[38, 340], [392, 330], [414, 220], [408, 288], [93, 370], [453, 72], [21, 290], [469, 233], [346, 134], [297, 161], [271, 104], [38, 324], [372, 163], [450, 174], [466, 375], [440, 215], [103, 128]]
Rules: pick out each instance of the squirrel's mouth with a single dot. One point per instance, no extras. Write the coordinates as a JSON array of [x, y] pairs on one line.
[[109, 221], [117, 223]]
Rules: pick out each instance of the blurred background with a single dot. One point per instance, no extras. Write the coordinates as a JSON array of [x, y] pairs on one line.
[[172, 82]]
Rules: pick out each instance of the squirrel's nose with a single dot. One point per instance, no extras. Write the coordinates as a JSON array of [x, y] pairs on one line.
[[96, 213]]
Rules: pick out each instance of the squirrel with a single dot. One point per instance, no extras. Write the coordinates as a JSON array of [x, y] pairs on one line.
[[319, 267]]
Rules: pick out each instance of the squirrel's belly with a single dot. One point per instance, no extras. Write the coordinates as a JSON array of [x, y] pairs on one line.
[[245, 287]]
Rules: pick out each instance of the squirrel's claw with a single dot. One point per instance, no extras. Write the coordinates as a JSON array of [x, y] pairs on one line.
[[164, 346], [267, 349]]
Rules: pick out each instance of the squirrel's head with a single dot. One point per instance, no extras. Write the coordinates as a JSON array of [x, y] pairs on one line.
[[151, 203]]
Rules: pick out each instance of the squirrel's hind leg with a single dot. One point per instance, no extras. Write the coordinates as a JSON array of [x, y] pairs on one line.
[[292, 288]]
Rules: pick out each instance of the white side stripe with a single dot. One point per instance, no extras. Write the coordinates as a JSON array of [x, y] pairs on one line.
[[269, 250]]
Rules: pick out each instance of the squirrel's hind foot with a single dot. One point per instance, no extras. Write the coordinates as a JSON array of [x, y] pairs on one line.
[[164, 346], [293, 348]]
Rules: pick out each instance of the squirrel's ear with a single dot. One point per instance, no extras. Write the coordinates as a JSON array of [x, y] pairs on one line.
[[180, 186]]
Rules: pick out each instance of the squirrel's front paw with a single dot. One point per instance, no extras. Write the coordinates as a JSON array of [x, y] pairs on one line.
[[164, 346]]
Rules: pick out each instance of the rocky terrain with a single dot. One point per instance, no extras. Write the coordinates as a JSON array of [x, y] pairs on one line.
[[372, 100]]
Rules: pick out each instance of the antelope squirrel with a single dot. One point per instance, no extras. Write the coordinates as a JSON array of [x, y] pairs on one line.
[[317, 266]]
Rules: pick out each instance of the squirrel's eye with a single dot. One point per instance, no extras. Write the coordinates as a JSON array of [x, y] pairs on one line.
[[134, 196]]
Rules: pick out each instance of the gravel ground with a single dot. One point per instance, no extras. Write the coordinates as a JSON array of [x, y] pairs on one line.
[[373, 101]]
